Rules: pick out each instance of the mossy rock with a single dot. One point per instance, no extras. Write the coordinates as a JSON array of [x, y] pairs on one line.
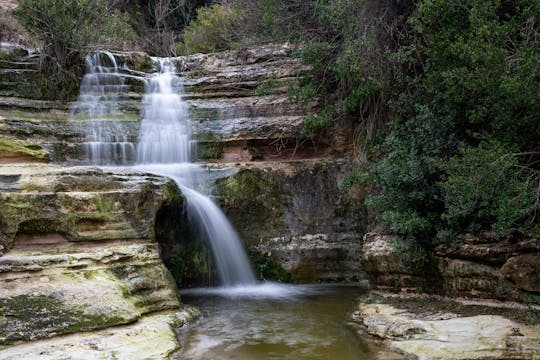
[[12, 148], [140, 62]]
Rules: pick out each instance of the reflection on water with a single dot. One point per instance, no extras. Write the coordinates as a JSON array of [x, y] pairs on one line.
[[272, 321]]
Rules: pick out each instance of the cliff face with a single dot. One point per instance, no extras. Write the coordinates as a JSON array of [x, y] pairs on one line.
[[79, 246], [283, 194], [79, 255]]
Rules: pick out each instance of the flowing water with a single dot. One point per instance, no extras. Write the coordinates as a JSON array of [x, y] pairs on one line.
[[101, 88], [273, 322], [165, 148]]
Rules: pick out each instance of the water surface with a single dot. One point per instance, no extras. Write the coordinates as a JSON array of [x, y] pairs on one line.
[[274, 322]]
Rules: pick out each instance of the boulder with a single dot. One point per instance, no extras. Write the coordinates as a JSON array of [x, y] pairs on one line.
[[524, 271]]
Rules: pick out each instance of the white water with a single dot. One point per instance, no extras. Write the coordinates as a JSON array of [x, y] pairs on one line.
[[164, 148], [100, 90]]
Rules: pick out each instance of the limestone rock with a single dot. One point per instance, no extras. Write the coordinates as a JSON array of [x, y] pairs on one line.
[[487, 250], [151, 337], [524, 271], [13, 150], [386, 267], [296, 213], [79, 250], [472, 279], [453, 338]]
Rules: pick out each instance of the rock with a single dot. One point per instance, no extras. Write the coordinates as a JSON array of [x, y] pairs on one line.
[[315, 257], [471, 279], [80, 252], [13, 49], [386, 267], [221, 93], [524, 271], [296, 213], [13, 150], [151, 337], [475, 337], [486, 250]]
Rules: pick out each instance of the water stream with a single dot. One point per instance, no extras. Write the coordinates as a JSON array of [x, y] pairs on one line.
[[164, 147]]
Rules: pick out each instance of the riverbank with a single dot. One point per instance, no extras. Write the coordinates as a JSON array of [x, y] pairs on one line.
[[430, 327]]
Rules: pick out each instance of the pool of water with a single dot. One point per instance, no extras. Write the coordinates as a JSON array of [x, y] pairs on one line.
[[273, 322]]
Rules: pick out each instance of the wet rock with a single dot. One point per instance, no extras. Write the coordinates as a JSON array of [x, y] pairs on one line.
[[524, 271], [296, 213], [474, 337]]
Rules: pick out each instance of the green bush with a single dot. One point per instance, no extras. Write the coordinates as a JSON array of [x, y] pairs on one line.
[[67, 29], [214, 29], [315, 124], [471, 71], [408, 199], [487, 187]]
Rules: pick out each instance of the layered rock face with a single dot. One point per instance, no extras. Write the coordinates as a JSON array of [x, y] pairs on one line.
[[79, 255], [296, 214], [243, 110], [472, 267]]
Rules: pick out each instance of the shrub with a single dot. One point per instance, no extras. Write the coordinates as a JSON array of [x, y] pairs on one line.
[[67, 29], [408, 199], [487, 187], [213, 30]]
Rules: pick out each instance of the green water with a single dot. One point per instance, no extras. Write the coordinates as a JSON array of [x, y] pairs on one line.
[[274, 322]]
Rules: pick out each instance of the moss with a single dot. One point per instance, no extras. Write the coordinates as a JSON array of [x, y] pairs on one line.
[[26, 317], [140, 62], [209, 151], [249, 185], [209, 147], [39, 226], [12, 147], [172, 193], [192, 265], [267, 268]]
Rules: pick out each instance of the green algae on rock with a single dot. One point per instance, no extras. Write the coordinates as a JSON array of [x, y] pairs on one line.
[[17, 150]]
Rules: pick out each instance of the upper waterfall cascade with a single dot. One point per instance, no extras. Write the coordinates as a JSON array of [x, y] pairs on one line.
[[101, 88]]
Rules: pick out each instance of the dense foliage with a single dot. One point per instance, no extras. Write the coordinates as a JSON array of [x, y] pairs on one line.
[[464, 155], [444, 93]]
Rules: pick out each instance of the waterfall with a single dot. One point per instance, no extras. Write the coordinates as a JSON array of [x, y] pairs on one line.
[[101, 87], [165, 148]]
